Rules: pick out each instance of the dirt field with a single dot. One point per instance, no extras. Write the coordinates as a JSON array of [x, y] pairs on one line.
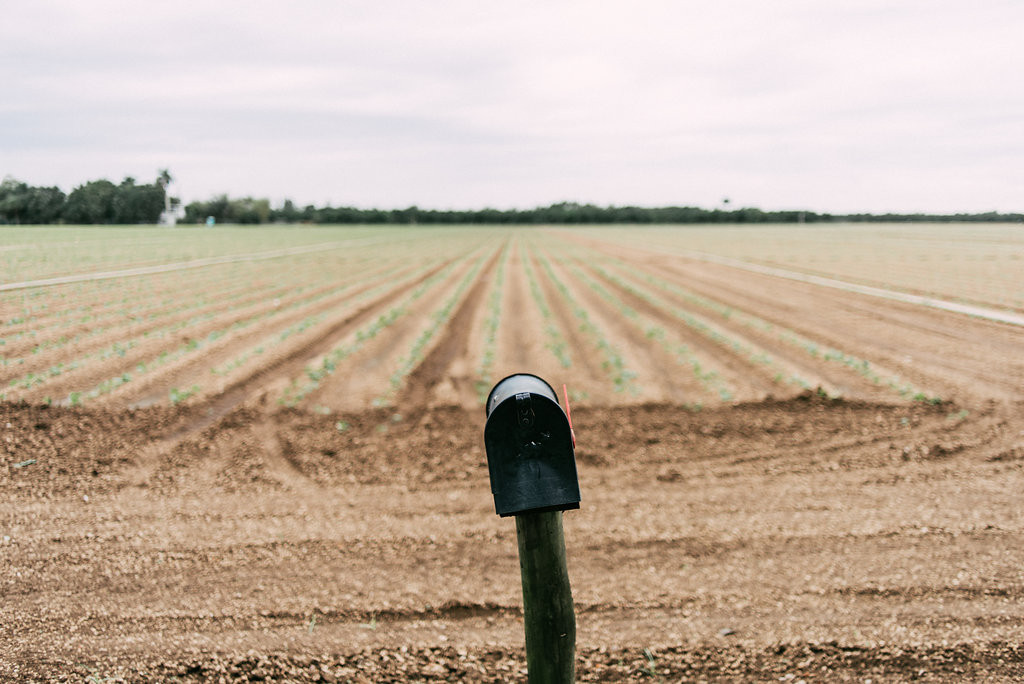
[[780, 481]]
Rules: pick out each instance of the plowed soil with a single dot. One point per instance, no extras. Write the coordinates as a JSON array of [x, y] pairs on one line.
[[755, 506]]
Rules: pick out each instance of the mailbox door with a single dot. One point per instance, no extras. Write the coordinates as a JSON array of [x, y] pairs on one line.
[[530, 456]]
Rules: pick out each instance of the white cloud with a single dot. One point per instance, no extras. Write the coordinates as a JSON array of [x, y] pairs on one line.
[[839, 106]]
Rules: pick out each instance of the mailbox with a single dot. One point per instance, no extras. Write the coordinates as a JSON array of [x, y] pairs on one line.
[[529, 448]]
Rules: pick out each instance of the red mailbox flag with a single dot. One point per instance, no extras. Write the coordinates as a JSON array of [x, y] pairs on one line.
[[568, 414]]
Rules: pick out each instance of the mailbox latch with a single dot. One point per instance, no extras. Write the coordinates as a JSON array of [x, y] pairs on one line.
[[524, 410]]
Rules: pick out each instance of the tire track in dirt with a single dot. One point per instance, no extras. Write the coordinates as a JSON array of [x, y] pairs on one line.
[[788, 522], [322, 617], [451, 348], [279, 464]]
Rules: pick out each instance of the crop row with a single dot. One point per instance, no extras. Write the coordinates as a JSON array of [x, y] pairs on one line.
[[229, 317], [438, 320], [31, 306], [980, 264], [661, 332], [144, 304], [86, 340], [555, 343], [492, 322], [131, 321], [815, 350], [310, 325], [612, 362], [282, 311], [34, 306], [90, 302], [42, 252], [708, 377], [644, 284], [315, 374]]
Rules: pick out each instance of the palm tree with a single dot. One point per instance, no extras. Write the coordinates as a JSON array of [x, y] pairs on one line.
[[164, 179]]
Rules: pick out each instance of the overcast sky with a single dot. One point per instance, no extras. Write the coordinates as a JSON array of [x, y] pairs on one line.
[[842, 106]]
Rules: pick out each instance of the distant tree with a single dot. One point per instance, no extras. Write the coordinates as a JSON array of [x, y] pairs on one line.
[[409, 215], [45, 205], [102, 202], [14, 197], [248, 211], [217, 207], [288, 213], [245, 210], [91, 202], [23, 203], [193, 210], [138, 203]]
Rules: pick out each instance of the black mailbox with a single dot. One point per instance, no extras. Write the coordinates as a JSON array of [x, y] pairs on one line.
[[529, 448]]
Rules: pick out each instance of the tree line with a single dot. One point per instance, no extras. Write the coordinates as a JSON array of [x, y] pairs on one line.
[[249, 210], [103, 202], [94, 202]]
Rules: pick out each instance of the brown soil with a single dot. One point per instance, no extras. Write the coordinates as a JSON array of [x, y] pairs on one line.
[[790, 537], [522, 346]]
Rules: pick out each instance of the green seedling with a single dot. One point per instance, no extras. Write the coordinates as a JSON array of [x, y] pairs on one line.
[[179, 395], [555, 344], [299, 389], [622, 378]]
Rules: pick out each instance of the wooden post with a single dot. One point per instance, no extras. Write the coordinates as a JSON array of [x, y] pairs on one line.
[[547, 599]]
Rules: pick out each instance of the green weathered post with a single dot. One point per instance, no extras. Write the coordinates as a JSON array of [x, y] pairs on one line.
[[530, 456], [547, 598]]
